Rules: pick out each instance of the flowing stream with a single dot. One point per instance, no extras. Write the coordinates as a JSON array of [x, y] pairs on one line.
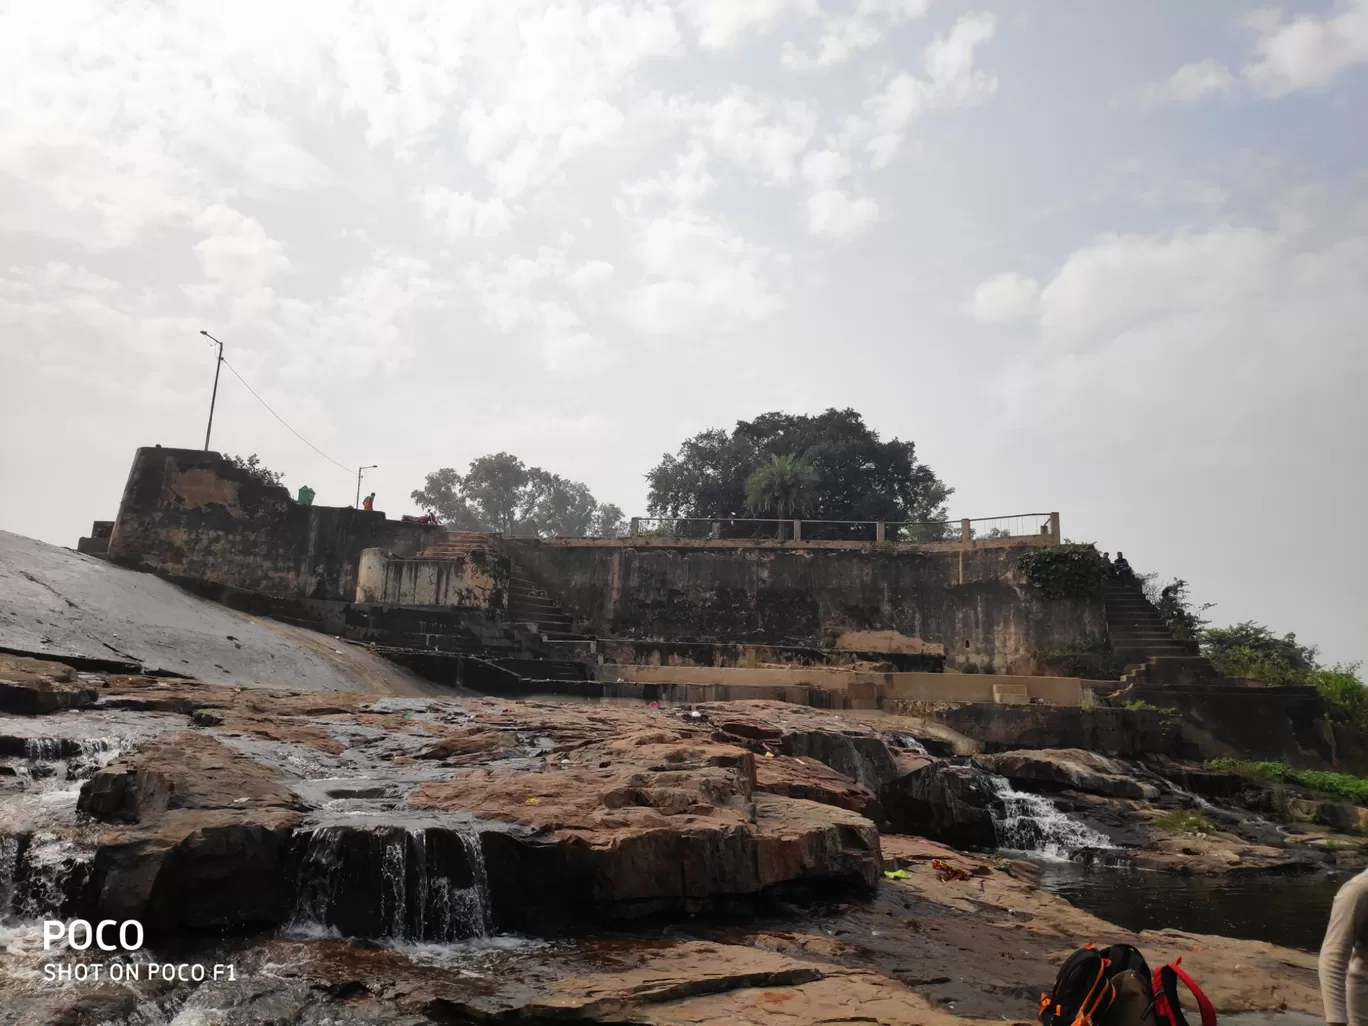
[[1034, 826]]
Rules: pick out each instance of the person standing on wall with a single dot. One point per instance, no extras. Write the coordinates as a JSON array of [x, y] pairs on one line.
[[1343, 974], [368, 503]]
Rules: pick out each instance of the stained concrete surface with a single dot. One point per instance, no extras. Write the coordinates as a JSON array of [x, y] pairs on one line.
[[57, 602]]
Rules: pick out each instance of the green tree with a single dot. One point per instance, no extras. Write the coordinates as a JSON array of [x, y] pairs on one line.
[[1250, 646], [859, 476], [252, 465], [502, 494], [783, 486]]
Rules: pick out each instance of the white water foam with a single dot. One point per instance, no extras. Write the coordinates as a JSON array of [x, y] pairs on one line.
[[1034, 826]]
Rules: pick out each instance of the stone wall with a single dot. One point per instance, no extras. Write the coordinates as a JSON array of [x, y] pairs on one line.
[[191, 515], [972, 602], [863, 689], [1196, 723], [478, 580]]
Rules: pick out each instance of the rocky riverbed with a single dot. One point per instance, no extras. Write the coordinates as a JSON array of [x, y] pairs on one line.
[[467, 859]]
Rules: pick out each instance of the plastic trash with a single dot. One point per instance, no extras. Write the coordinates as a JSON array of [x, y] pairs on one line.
[[897, 874]]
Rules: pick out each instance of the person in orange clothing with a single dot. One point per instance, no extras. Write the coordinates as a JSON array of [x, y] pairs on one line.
[[368, 502]]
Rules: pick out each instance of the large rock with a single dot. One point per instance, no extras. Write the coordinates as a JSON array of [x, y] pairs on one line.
[[41, 697], [943, 801], [208, 843], [1071, 768], [645, 825]]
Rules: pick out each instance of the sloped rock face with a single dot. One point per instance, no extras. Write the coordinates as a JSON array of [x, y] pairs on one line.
[[1072, 768]]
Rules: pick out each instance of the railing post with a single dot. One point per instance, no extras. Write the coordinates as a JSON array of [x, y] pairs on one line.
[[716, 529], [1054, 528], [797, 530], [636, 526], [966, 532], [879, 531]]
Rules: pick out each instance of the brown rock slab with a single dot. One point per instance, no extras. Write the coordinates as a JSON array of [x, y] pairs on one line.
[[1070, 767]]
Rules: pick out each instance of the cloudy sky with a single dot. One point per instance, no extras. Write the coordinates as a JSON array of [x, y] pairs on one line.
[[1104, 258]]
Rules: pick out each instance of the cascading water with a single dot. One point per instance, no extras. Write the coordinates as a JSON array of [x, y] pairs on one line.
[[9, 865], [1032, 824], [411, 884]]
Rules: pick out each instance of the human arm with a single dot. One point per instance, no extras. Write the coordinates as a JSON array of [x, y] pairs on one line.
[[1347, 916]]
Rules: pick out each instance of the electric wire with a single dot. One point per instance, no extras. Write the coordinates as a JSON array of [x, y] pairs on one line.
[[278, 417]]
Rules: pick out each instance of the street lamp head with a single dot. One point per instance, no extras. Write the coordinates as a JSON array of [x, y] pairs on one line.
[[203, 332]]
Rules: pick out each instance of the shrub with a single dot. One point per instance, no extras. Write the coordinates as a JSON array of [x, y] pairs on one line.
[[1340, 785], [1063, 571]]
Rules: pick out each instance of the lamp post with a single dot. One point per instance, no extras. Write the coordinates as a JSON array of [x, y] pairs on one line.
[[218, 365], [359, 471]]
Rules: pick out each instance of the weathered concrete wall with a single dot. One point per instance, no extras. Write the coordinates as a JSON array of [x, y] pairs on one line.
[[192, 515], [473, 581], [972, 601], [864, 688]]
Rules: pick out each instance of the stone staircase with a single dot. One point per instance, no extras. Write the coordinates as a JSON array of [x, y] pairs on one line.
[[1151, 653], [532, 622], [456, 544]]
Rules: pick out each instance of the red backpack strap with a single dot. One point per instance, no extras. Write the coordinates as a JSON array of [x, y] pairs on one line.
[[1167, 1007]]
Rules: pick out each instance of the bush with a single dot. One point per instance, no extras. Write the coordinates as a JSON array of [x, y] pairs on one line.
[[1091, 659], [1063, 571], [1339, 785], [970, 667]]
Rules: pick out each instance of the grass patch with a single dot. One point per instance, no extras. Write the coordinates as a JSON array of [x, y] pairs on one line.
[[1340, 785], [1138, 705], [1187, 821]]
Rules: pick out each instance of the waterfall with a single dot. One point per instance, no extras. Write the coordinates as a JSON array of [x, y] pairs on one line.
[[9, 866], [42, 749], [412, 884], [1031, 823], [912, 744]]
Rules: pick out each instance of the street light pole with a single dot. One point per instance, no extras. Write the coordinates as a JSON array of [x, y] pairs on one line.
[[218, 365], [358, 482]]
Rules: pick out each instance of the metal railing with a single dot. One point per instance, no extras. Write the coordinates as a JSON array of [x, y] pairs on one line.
[[1018, 525]]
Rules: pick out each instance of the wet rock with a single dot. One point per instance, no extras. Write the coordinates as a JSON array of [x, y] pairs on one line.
[[42, 697], [1070, 768], [952, 803], [209, 841], [182, 771], [591, 844], [795, 777]]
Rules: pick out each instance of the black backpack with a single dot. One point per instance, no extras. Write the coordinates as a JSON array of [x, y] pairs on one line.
[[1085, 990]]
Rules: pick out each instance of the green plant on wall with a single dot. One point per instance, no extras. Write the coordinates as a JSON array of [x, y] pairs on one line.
[[1063, 571]]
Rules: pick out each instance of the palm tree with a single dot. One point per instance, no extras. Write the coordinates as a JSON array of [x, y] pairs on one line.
[[783, 486]]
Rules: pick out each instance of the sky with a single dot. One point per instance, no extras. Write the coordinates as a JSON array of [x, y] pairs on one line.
[[1109, 259]]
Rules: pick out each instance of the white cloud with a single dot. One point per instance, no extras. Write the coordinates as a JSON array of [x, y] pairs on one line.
[[825, 167], [863, 27], [237, 250], [760, 133], [699, 276], [952, 80], [1005, 297], [838, 216], [1303, 53], [1307, 51], [723, 23], [1123, 279], [1194, 81], [463, 215]]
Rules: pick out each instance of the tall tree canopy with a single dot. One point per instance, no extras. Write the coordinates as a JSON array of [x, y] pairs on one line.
[[500, 493], [856, 475]]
